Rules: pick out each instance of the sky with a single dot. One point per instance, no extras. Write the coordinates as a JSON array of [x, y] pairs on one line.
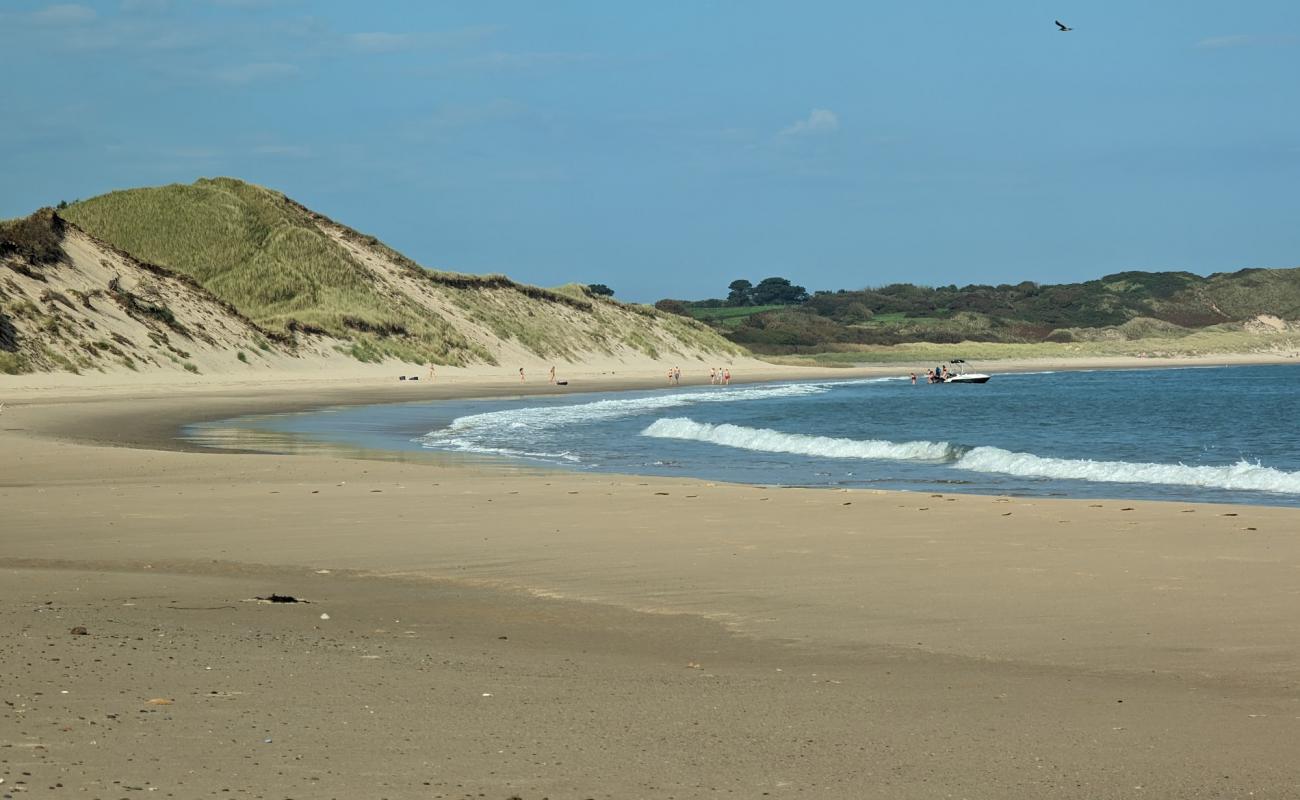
[[666, 149]]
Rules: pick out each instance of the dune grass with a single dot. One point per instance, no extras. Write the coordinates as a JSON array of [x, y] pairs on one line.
[[264, 255], [281, 265]]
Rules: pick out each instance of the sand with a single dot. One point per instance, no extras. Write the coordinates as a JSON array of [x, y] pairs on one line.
[[497, 632]]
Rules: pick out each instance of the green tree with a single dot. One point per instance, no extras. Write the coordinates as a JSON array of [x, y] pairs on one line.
[[600, 290], [777, 291], [740, 292]]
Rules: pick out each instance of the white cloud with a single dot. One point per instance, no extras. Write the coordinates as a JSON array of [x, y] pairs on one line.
[[820, 121], [63, 14], [255, 73]]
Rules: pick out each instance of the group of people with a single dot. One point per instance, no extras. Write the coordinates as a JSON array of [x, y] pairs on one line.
[[549, 379], [720, 376], [936, 375]]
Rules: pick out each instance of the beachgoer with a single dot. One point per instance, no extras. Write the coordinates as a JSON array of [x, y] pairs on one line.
[[913, 378], [726, 377], [521, 374], [677, 376], [432, 373], [552, 373], [713, 375]]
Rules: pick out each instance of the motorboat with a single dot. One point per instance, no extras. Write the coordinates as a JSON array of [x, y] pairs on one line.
[[962, 376]]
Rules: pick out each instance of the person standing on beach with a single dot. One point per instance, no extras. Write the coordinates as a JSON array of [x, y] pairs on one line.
[[713, 375], [521, 374], [432, 373], [677, 376], [552, 373], [726, 377]]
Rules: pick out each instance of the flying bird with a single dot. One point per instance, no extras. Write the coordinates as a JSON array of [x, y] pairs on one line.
[[1063, 26]]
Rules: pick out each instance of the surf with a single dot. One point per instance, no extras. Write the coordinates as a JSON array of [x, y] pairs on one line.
[[484, 433], [1240, 476], [770, 441]]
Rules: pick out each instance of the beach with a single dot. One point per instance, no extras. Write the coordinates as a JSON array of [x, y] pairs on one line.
[[475, 630]]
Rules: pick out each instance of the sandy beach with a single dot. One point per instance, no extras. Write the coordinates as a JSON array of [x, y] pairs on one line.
[[479, 631]]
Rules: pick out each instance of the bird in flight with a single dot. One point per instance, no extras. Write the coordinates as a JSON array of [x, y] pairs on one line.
[[1063, 26]]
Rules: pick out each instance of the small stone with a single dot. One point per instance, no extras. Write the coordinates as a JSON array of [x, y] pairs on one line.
[[80, 630]]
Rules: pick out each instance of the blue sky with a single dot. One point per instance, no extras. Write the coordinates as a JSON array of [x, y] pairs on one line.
[[668, 148]]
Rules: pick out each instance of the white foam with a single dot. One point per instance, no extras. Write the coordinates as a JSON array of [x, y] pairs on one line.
[[536, 418], [504, 432], [1242, 476], [770, 441]]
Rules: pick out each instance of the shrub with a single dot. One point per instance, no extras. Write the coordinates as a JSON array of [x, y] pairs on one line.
[[39, 237], [673, 307]]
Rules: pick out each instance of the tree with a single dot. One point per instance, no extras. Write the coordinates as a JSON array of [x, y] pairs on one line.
[[600, 290], [740, 292], [777, 291]]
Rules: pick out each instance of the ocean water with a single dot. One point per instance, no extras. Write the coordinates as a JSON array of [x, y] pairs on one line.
[[1224, 434]]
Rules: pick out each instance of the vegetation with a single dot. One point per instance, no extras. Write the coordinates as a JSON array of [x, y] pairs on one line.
[[38, 238], [1216, 340], [1126, 305], [769, 291], [297, 273]]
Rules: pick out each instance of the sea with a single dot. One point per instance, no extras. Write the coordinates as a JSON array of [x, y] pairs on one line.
[[1213, 434]]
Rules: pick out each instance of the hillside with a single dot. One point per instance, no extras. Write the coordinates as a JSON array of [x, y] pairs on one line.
[[292, 282], [70, 302], [1127, 305]]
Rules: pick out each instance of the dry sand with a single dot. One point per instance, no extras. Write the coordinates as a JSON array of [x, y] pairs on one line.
[[497, 633]]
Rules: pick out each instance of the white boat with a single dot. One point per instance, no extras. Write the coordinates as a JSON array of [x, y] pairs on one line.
[[962, 376]]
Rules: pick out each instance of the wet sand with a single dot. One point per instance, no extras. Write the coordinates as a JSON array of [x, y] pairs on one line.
[[662, 638]]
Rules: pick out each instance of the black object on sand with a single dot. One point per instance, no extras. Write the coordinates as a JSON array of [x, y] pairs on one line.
[[280, 598]]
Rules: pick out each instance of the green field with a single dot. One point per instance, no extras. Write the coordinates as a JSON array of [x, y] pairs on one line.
[[729, 312]]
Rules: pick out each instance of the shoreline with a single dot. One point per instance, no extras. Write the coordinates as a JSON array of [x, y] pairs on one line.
[[567, 634], [141, 417]]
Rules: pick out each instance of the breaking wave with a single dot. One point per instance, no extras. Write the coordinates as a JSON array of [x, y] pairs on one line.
[[1242, 476], [525, 431], [770, 441]]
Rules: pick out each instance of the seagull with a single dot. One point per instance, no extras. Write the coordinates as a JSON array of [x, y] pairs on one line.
[[1063, 26]]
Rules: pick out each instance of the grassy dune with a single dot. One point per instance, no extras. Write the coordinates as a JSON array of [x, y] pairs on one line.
[[291, 269], [264, 255]]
